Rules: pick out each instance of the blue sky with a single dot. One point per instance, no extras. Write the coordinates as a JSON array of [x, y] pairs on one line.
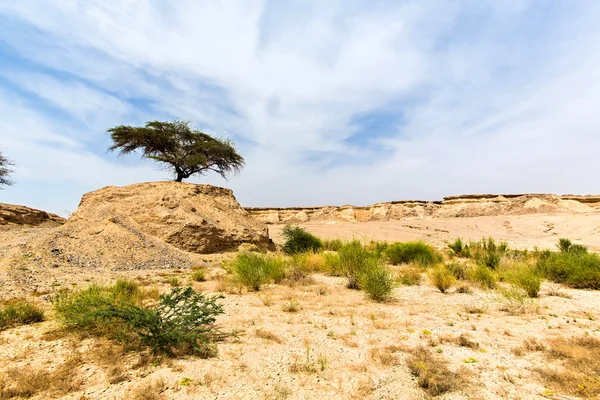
[[330, 102]]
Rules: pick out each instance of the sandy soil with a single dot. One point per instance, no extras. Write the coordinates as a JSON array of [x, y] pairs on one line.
[[332, 347], [520, 231]]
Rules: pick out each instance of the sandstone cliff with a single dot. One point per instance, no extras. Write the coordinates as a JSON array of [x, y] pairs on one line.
[[449, 207]]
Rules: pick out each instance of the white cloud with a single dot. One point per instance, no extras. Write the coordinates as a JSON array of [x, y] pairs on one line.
[[503, 105]]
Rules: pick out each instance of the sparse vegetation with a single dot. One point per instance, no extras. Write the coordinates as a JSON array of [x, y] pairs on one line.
[[20, 313], [199, 275], [5, 171], [460, 248], [410, 275], [483, 276], [254, 270], [412, 252], [525, 277], [580, 369], [442, 278], [181, 323], [432, 372], [299, 240]]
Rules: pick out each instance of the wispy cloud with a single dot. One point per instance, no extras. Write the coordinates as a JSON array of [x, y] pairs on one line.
[[330, 102]]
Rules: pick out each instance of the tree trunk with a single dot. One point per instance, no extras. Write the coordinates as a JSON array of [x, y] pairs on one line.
[[180, 174]]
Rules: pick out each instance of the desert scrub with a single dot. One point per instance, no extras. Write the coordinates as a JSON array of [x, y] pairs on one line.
[[484, 276], [299, 240], [458, 269], [355, 259], [515, 300], [487, 252], [199, 275], [378, 282], [566, 246], [332, 264], [182, 322], [441, 278], [460, 248], [20, 313], [410, 275], [412, 252], [254, 270], [432, 372], [308, 262], [525, 277], [332, 245], [576, 269]]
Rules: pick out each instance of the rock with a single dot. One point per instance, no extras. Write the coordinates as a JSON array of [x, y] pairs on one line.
[[11, 214]]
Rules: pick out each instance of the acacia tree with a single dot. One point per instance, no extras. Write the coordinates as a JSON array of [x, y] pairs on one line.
[[185, 149], [5, 171]]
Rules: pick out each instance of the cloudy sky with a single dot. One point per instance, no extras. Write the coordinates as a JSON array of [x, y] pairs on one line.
[[330, 102]]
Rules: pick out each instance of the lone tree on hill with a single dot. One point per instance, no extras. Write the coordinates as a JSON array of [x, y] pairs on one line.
[[188, 150], [5, 171]]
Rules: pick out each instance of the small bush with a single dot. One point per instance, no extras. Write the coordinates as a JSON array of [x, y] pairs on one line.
[[527, 279], [20, 313], [412, 252], [515, 300], [460, 248], [308, 262], [487, 252], [355, 260], [442, 278], [254, 270], [432, 372], [298, 240], [576, 269], [483, 276], [458, 269], [332, 245], [199, 275], [378, 283], [181, 323], [410, 276], [333, 265]]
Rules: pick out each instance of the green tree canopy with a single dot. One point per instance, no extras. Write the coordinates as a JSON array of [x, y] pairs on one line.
[[187, 150], [5, 170]]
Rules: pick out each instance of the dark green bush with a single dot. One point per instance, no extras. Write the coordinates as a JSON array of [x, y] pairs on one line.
[[181, 323], [254, 270], [576, 269], [487, 252], [298, 240], [20, 313], [566, 246], [412, 252]]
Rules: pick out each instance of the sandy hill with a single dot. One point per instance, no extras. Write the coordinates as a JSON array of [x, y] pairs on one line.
[[12, 215], [158, 225]]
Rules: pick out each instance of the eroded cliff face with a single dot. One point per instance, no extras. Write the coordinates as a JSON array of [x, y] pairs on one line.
[[11, 214], [449, 207]]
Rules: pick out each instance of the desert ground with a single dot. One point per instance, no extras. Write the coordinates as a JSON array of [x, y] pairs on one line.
[[311, 338]]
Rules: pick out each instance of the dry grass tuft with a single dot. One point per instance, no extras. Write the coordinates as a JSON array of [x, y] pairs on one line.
[[432, 372], [149, 391], [580, 369], [28, 381], [386, 356], [261, 333]]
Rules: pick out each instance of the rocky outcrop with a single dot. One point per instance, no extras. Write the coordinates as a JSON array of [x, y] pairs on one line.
[[11, 214], [195, 218], [450, 207]]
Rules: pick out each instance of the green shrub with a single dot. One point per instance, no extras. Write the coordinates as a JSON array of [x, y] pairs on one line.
[[526, 278], [378, 248], [333, 265], [442, 278], [487, 252], [254, 270], [575, 269], [484, 276], [181, 323], [566, 246], [354, 260], [199, 275], [298, 240], [20, 313], [458, 269], [459, 248], [378, 282], [412, 252], [332, 245]]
